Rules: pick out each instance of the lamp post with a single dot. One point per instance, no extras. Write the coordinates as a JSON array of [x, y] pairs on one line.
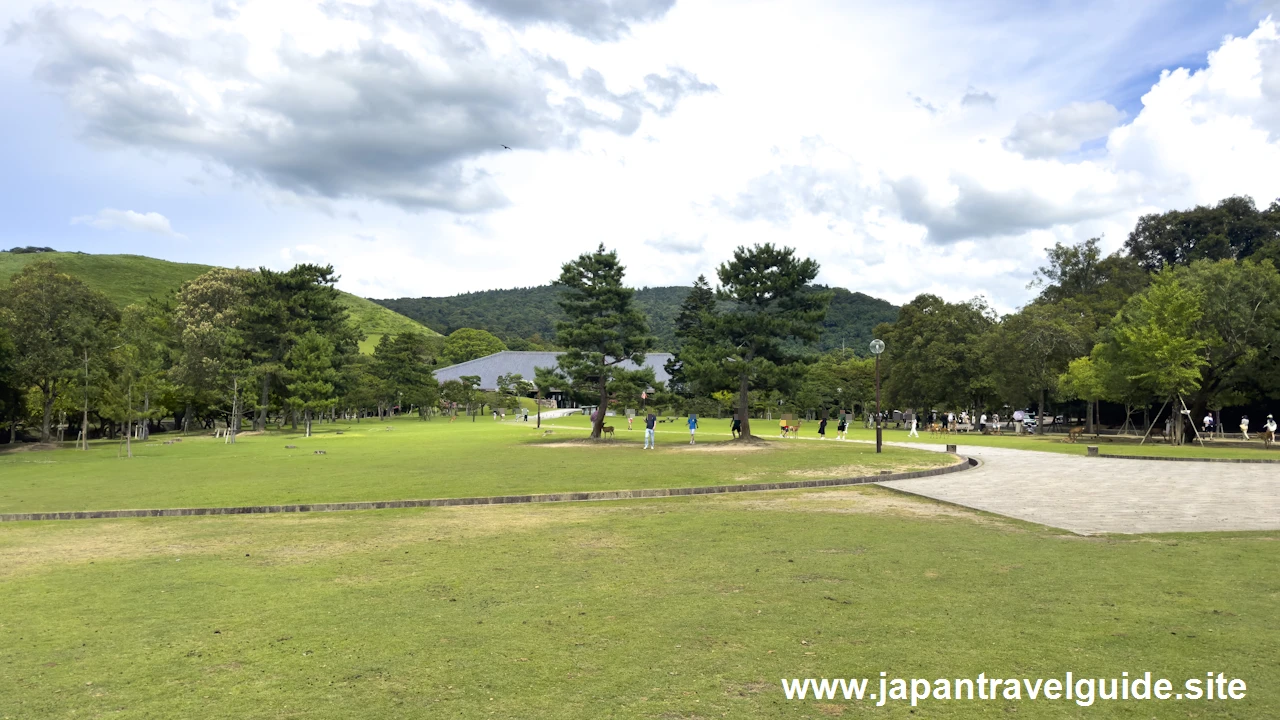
[[877, 347]]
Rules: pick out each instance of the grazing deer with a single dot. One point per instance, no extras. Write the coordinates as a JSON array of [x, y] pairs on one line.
[[606, 430], [1075, 433], [936, 429], [1268, 437]]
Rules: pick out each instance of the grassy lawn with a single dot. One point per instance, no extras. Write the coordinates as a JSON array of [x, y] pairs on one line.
[[676, 608], [712, 427], [409, 459]]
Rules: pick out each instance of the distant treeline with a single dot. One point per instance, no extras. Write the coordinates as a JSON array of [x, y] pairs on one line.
[[525, 318]]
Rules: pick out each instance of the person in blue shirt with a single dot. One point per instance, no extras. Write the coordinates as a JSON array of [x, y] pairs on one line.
[[693, 426]]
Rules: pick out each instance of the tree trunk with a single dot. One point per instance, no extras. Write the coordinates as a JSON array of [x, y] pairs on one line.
[[45, 435], [186, 419], [128, 424], [598, 424], [293, 416], [306, 418], [260, 418], [1088, 416], [146, 416], [234, 425], [743, 406], [1040, 410]]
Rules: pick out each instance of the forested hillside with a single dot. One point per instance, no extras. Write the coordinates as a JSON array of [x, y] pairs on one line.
[[521, 314], [129, 279]]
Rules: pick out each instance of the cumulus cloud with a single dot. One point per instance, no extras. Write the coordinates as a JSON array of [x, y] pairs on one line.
[[397, 107], [594, 19], [1211, 133], [978, 211], [679, 246], [1039, 135], [979, 98], [111, 219]]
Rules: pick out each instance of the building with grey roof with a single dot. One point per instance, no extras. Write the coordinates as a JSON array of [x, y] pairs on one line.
[[490, 367]]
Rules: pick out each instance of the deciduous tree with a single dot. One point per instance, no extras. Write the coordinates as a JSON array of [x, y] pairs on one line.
[[52, 319]]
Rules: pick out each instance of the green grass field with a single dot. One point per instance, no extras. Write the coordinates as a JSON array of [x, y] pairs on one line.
[[674, 608], [130, 279], [809, 430], [408, 459]]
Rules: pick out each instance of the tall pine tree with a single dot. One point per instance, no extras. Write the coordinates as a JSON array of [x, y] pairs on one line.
[[768, 300], [690, 329], [604, 329]]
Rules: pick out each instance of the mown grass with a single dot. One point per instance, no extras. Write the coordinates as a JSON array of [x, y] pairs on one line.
[[678, 608], [719, 427], [407, 459]]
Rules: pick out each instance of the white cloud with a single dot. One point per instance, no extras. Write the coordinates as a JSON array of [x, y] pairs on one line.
[[1038, 135], [947, 169], [111, 219]]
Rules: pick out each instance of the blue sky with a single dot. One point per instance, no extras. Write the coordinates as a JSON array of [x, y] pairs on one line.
[[929, 146]]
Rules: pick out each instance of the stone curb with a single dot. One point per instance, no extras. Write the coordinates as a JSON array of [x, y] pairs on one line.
[[1250, 461], [964, 464]]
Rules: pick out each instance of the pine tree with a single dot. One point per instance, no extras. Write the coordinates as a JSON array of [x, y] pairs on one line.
[[604, 329], [768, 300], [690, 329], [311, 375]]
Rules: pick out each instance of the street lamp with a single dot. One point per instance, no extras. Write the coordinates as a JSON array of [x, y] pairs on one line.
[[877, 347]]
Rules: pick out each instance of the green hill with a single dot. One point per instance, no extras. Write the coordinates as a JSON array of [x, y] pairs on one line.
[[130, 279], [520, 313]]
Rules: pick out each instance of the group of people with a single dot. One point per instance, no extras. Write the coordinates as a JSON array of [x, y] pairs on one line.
[[1268, 426], [965, 421], [842, 427], [651, 420]]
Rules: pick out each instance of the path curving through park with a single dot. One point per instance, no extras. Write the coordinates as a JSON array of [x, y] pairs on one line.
[[1103, 495]]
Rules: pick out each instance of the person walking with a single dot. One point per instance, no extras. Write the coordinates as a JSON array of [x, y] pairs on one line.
[[630, 419], [649, 421], [735, 428], [982, 424], [913, 432], [1270, 425], [842, 426], [822, 429], [693, 427], [1207, 423], [1244, 426]]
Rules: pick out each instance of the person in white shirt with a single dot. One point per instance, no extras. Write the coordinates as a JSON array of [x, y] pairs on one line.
[[1208, 422], [1244, 426], [1270, 425], [1018, 417]]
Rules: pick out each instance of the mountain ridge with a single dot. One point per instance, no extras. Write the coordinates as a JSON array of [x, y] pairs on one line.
[[517, 314]]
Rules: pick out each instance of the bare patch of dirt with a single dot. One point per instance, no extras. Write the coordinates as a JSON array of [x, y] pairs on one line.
[[863, 501], [267, 539], [855, 471], [575, 442], [27, 447], [732, 446]]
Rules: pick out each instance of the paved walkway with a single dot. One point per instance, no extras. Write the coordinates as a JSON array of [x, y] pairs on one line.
[[1096, 495]]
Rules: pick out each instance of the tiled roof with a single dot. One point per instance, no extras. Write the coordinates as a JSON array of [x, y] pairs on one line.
[[490, 367]]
